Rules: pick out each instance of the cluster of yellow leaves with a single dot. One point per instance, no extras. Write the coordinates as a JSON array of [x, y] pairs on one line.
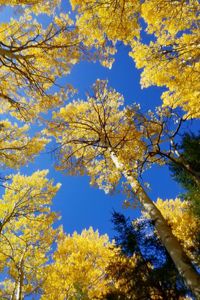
[[78, 270], [16, 147], [88, 131], [120, 269], [185, 226], [170, 60], [171, 16], [103, 21], [31, 59], [35, 6], [26, 233], [174, 64], [110, 18]]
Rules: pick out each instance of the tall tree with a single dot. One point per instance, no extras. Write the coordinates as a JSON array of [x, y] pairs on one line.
[[26, 234], [98, 138]]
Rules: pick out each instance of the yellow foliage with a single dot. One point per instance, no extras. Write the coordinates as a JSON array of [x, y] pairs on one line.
[[121, 270], [16, 147], [169, 16], [78, 270], [185, 226], [113, 18], [103, 23], [87, 132], [32, 58], [173, 59], [174, 64], [26, 233], [35, 6]]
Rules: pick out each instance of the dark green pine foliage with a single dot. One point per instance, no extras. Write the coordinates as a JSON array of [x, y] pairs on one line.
[[139, 238], [189, 149]]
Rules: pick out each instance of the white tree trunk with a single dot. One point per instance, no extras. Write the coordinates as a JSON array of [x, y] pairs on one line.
[[170, 242], [20, 279]]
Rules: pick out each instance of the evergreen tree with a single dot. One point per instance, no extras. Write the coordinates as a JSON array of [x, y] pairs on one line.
[[189, 151], [154, 274]]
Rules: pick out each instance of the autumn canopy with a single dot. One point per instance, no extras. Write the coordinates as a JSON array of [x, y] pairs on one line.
[[94, 133]]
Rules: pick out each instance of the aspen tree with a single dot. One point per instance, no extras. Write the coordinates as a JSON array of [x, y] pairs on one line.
[[97, 138], [26, 234]]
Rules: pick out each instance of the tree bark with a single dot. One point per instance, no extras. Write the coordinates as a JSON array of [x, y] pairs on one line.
[[20, 279], [170, 242]]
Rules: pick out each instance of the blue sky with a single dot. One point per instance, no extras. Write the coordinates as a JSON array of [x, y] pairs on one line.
[[79, 204]]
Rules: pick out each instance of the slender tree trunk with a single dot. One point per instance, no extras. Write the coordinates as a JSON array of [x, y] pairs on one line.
[[20, 280], [170, 242]]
